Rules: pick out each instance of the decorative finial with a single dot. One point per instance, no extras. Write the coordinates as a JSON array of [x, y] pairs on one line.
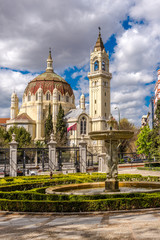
[[99, 30], [50, 53], [13, 137], [49, 62]]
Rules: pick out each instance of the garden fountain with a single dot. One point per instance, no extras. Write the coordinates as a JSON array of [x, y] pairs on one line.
[[112, 137]]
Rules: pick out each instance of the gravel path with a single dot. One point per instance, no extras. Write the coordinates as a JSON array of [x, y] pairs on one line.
[[139, 225], [136, 171]]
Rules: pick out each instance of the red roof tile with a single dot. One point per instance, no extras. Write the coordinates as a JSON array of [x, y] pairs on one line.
[[3, 120]]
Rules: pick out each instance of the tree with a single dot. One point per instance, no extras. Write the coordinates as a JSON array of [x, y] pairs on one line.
[[61, 129], [3, 137], [155, 133], [144, 141], [48, 125], [128, 145], [23, 137]]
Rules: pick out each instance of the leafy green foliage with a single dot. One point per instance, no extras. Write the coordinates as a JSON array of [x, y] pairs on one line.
[[48, 125], [23, 137], [39, 144], [144, 141], [3, 137], [61, 129]]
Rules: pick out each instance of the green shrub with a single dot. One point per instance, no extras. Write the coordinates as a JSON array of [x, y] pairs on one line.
[[28, 194]]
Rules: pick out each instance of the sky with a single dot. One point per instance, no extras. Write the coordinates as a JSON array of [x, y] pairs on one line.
[[130, 31]]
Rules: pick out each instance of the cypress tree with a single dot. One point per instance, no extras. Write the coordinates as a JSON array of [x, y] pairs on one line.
[[48, 125], [61, 129]]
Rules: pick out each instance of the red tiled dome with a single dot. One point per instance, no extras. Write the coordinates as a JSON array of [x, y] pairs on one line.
[[48, 81]]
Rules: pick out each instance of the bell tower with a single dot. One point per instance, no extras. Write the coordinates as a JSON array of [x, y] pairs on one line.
[[99, 85]]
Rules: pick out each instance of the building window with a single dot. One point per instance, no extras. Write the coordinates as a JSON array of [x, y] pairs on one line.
[[29, 97], [59, 97], [105, 114], [96, 65], [95, 111], [103, 66], [95, 102], [48, 96], [105, 104], [67, 99], [36, 96], [105, 84], [105, 93], [83, 126]]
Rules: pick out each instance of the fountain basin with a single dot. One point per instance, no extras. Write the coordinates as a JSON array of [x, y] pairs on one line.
[[111, 135], [125, 187]]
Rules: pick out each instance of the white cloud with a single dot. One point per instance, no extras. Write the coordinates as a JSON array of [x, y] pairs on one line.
[[135, 61], [82, 88], [69, 27], [11, 81], [146, 10]]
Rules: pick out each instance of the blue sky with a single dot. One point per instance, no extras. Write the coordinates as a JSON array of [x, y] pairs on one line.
[[130, 32]]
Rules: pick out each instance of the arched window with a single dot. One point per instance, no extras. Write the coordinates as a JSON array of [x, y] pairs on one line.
[[83, 126], [59, 97], [96, 65], [37, 96], [29, 97], [67, 99], [48, 96], [103, 66]]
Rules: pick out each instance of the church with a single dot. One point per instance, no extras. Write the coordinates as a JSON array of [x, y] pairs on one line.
[[50, 88]]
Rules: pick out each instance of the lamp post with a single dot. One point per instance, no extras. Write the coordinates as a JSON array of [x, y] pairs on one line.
[[118, 116]]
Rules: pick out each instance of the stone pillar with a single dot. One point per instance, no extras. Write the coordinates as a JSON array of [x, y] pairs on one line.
[[102, 166], [13, 157], [83, 155], [52, 153], [39, 114]]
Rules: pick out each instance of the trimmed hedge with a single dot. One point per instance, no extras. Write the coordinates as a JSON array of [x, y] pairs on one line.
[[149, 168], [27, 194], [82, 206]]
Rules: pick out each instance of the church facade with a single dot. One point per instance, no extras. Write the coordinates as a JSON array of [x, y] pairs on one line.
[[51, 89]]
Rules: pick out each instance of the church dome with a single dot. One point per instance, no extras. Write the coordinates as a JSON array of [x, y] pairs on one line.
[[48, 81]]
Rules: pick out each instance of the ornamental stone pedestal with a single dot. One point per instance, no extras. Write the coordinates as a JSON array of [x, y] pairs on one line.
[[111, 183], [111, 136], [83, 155], [13, 157], [52, 153]]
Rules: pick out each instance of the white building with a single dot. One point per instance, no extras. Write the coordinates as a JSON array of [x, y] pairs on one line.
[[50, 88]]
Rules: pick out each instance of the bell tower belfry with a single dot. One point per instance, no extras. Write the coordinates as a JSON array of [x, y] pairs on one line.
[[99, 86]]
